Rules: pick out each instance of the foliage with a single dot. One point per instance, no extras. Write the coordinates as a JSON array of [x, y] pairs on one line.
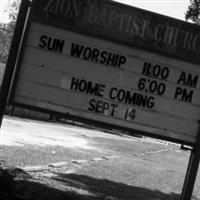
[[7, 30], [4, 44], [13, 10], [193, 12]]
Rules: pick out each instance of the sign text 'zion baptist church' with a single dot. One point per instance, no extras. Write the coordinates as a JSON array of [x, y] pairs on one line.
[[149, 29], [112, 64]]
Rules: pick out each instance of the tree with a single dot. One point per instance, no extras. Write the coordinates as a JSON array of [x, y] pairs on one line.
[[193, 12], [5, 41], [13, 10], [7, 30]]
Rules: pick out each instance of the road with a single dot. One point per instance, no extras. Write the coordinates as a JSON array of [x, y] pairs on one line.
[[34, 143], [21, 132]]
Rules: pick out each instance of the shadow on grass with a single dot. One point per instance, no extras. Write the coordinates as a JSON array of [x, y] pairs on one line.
[[73, 187], [37, 191], [13, 187], [109, 190]]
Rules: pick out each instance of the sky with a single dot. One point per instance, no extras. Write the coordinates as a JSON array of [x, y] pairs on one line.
[[172, 8], [3, 15]]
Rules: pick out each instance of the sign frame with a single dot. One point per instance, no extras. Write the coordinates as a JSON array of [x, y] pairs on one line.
[[11, 77], [13, 57], [69, 116]]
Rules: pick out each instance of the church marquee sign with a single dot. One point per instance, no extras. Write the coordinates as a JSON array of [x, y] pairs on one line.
[[112, 64]]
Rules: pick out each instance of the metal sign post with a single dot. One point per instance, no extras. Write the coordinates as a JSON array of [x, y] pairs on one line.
[[7, 79], [191, 171]]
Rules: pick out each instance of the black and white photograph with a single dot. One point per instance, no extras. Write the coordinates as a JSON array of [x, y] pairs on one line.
[[99, 99]]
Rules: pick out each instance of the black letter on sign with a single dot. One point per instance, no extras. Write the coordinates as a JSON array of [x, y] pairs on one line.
[[43, 41], [76, 50], [91, 105], [183, 94], [188, 79]]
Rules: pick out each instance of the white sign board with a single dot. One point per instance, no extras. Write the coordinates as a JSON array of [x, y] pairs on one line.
[[98, 80]]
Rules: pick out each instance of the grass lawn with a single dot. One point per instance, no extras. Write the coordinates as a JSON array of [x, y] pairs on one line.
[[128, 169]]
